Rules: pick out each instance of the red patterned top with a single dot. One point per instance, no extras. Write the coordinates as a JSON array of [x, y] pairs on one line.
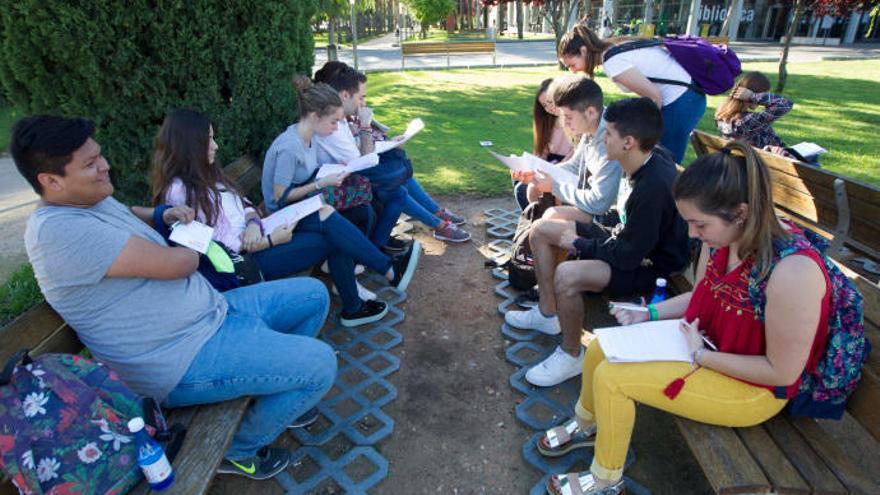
[[721, 301]]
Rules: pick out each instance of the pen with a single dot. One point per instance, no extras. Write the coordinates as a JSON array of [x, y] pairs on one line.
[[629, 307], [709, 343]]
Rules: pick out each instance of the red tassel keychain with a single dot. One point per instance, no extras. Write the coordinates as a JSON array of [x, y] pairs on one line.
[[674, 388]]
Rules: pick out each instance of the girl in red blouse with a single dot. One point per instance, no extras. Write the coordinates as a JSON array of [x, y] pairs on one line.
[[726, 199]]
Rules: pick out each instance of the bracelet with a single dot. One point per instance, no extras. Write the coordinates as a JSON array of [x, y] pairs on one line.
[[257, 221], [269, 238], [652, 313]]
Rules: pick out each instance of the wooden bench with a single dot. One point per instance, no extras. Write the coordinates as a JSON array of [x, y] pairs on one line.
[[804, 455], [445, 48], [210, 427]]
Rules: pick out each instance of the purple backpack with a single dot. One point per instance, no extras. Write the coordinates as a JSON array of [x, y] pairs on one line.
[[63, 426], [713, 68]]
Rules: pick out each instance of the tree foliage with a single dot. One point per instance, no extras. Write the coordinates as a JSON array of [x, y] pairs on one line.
[[429, 12], [125, 64]]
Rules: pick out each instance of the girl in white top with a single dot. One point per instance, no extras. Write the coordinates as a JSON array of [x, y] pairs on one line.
[[581, 50]]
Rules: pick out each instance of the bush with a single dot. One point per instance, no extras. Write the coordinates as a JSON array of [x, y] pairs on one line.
[[124, 64], [19, 294]]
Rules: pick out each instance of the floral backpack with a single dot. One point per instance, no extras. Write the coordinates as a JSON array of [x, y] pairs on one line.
[[63, 426], [824, 391]]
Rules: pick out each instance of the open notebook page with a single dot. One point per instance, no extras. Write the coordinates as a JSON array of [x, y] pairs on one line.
[[649, 341]]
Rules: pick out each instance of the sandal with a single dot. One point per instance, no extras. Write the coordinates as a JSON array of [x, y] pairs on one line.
[[560, 440], [580, 484]]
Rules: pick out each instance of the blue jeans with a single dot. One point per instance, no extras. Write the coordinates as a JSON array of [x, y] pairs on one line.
[[420, 205], [391, 202], [680, 118], [265, 348], [313, 240]]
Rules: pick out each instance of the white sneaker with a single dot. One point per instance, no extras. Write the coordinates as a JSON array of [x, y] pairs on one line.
[[358, 269], [532, 319], [557, 368], [364, 293]]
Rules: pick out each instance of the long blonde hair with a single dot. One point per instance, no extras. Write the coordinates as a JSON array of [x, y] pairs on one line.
[[717, 183], [733, 108]]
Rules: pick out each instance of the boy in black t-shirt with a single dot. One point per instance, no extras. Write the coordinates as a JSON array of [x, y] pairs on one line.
[[612, 257]]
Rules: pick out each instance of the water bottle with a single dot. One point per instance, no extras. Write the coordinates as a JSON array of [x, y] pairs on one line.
[[659, 291], [150, 457]]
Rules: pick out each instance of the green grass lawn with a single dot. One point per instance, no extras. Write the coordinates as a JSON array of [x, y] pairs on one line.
[[837, 105]]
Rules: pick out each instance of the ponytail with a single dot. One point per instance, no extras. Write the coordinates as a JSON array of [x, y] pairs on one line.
[[319, 98], [579, 37], [717, 183]]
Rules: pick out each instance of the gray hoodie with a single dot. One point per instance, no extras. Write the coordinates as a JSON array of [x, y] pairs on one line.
[[598, 177]]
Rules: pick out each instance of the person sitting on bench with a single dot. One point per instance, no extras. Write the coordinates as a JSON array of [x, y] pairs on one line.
[[735, 120], [290, 174], [727, 201], [186, 172], [551, 141], [141, 307], [608, 257], [348, 143], [579, 100]]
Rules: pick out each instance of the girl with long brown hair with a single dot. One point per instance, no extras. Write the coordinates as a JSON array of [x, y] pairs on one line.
[[756, 360], [736, 120], [550, 139], [186, 172], [640, 71]]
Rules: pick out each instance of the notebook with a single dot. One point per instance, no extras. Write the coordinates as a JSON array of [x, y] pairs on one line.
[[649, 341]]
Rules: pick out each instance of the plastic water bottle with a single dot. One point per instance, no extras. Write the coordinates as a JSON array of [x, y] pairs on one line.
[[659, 291], [150, 457]]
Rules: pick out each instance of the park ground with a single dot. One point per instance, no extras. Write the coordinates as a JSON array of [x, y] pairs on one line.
[[455, 429]]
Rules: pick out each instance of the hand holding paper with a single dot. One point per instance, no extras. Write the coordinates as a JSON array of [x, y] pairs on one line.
[[360, 163], [194, 235], [649, 341], [412, 129], [292, 213]]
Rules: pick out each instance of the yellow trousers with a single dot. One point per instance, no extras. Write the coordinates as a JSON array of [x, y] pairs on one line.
[[609, 392]]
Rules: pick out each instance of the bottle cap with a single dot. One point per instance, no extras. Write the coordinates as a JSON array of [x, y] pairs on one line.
[[135, 424], [661, 282]]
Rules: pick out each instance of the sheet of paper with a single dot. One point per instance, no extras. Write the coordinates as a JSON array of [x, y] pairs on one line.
[[648, 341], [558, 174], [515, 163], [415, 125], [356, 165], [292, 213], [807, 149], [194, 235]]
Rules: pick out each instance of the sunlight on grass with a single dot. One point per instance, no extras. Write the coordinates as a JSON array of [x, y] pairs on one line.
[[837, 105]]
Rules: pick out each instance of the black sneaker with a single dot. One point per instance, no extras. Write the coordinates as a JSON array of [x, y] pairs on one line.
[[370, 311], [305, 419], [396, 245], [528, 299], [268, 462], [404, 266]]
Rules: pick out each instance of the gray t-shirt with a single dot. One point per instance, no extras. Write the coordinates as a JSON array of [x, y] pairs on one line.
[[288, 161], [147, 330]]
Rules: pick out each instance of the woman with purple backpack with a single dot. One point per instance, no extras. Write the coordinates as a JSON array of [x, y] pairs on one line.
[[770, 323], [639, 71]]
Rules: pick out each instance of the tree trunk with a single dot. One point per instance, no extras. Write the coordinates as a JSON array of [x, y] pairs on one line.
[[783, 73], [725, 26], [519, 19]]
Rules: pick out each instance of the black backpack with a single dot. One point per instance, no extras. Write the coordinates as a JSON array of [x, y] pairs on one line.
[[521, 267]]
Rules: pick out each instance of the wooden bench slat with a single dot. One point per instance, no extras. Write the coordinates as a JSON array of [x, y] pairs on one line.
[[798, 452], [210, 430], [725, 460], [29, 329], [842, 445], [781, 473]]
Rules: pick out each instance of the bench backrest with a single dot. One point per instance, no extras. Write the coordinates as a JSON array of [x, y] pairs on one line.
[[447, 47], [845, 211]]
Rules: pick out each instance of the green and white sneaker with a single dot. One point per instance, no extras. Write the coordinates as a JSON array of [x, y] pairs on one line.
[[268, 462]]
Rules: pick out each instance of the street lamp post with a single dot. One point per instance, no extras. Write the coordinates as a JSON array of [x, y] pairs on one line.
[[354, 34]]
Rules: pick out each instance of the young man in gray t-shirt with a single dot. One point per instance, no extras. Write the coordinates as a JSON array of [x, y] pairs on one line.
[[142, 308]]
